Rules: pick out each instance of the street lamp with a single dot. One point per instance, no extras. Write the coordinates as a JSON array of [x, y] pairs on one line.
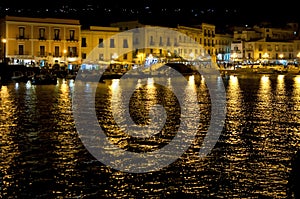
[[4, 49], [234, 56], [65, 52], [265, 57]]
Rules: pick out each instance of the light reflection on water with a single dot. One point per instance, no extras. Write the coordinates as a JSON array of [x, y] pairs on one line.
[[42, 156]]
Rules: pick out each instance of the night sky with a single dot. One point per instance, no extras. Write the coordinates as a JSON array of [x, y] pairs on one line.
[[191, 11]]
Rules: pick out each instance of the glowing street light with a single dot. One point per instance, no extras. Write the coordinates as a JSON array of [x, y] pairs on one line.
[[65, 53], [265, 56], [234, 56], [281, 56]]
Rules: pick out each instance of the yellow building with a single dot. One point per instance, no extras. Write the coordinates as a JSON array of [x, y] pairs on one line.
[[266, 44], [106, 45], [159, 44], [41, 41]]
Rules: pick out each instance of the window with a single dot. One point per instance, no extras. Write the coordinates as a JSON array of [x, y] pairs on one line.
[[284, 48], [100, 43], [42, 50], [136, 41], [56, 34], [83, 42], [125, 43], [101, 57], [151, 40], [83, 55], [72, 51], [42, 33], [160, 41], [21, 49], [125, 56], [72, 35], [168, 41], [56, 51], [21, 32], [112, 43]]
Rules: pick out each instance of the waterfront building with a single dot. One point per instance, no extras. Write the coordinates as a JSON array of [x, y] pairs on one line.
[[106, 45], [223, 47], [41, 41], [216, 45], [186, 42], [151, 42], [266, 44]]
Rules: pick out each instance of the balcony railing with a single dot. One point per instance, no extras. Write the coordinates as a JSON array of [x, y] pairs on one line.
[[72, 54], [72, 39], [42, 54], [22, 53], [21, 37], [57, 55]]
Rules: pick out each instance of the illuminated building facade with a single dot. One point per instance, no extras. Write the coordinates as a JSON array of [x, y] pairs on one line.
[[41, 41], [266, 44], [106, 45]]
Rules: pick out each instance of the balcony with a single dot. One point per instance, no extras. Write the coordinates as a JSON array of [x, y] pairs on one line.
[[42, 54], [22, 37], [57, 55], [72, 40], [70, 54], [42, 38]]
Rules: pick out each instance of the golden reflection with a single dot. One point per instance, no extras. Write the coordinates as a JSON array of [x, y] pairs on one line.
[[264, 97], [115, 84], [234, 110], [9, 149], [296, 97], [66, 147], [190, 102], [297, 80], [150, 82], [234, 94], [192, 80], [280, 89]]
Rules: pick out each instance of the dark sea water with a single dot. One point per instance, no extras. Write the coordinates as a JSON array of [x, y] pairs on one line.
[[42, 155]]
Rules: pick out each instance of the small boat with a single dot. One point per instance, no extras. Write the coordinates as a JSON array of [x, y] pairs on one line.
[[19, 76], [44, 79]]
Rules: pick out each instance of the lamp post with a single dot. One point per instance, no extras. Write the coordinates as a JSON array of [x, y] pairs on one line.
[[4, 49], [65, 54], [298, 56], [265, 57], [234, 56]]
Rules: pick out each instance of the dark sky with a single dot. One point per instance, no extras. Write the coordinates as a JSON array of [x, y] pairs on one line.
[[224, 11]]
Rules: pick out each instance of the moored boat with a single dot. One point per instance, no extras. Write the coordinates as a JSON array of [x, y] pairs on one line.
[[44, 79]]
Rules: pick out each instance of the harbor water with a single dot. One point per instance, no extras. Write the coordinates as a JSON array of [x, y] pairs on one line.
[[42, 155]]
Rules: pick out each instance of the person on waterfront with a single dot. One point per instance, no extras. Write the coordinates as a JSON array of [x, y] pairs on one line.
[[294, 178]]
